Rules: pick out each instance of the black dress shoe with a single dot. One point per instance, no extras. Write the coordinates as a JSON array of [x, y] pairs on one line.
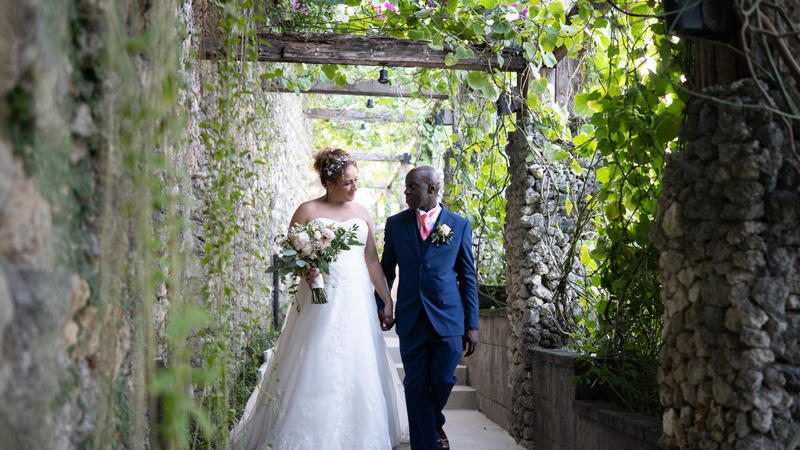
[[441, 439]]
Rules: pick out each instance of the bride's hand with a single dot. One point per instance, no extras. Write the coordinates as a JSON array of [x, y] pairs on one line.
[[310, 275], [386, 316]]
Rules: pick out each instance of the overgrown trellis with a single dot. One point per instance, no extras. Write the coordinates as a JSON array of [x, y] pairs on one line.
[[634, 81]]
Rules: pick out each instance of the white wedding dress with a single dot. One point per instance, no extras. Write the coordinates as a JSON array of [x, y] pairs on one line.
[[330, 383]]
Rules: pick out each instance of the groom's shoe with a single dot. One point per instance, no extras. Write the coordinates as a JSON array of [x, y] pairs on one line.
[[441, 439]]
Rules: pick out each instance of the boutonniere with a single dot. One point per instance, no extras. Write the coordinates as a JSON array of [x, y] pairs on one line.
[[442, 235]]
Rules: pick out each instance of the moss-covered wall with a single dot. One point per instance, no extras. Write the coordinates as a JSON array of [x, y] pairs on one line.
[[103, 197]]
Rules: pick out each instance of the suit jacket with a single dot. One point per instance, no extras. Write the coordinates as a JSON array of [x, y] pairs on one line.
[[440, 279]]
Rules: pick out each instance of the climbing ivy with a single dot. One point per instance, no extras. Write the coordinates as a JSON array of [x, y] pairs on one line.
[[630, 115]]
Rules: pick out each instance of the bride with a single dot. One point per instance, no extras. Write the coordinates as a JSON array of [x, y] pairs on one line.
[[330, 384]]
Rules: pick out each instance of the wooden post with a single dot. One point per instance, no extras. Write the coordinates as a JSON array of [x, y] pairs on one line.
[[276, 295]]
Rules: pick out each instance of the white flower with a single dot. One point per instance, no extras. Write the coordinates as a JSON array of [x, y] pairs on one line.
[[512, 16], [303, 241], [340, 13], [317, 235], [445, 230], [490, 22], [350, 10]]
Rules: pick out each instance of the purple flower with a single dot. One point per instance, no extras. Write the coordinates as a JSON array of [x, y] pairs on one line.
[[524, 13], [390, 7], [515, 5], [430, 4]]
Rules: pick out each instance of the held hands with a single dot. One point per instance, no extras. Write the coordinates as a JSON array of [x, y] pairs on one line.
[[470, 341], [386, 317]]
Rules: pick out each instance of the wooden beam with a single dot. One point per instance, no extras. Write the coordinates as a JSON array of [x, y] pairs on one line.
[[364, 156], [348, 49], [347, 114], [371, 89]]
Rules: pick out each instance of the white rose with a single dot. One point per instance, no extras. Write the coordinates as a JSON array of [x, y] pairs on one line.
[[305, 244], [445, 230], [317, 235]]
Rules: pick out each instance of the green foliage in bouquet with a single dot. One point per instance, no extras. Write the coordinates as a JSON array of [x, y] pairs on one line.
[[313, 246]]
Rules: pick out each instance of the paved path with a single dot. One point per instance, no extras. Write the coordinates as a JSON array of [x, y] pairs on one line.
[[466, 428], [471, 430]]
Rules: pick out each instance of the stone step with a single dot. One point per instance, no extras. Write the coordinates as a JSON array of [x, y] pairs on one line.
[[461, 374], [462, 397]]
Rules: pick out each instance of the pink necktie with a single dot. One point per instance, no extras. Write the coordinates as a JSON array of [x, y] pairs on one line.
[[424, 228]]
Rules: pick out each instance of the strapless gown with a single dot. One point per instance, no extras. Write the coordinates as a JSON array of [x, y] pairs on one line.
[[331, 383]]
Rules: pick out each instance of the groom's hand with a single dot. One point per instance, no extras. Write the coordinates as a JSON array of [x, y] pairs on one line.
[[470, 341], [386, 323]]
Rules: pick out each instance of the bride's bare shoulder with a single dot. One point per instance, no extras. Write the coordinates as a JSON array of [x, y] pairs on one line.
[[305, 212], [362, 212]]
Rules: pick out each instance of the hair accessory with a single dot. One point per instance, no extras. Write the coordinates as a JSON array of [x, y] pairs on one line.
[[337, 165]]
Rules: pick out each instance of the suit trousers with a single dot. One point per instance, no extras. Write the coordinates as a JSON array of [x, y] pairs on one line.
[[430, 362]]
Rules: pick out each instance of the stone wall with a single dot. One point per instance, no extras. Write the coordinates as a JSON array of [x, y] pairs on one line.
[[727, 232], [488, 367], [541, 268], [74, 327], [561, 419]]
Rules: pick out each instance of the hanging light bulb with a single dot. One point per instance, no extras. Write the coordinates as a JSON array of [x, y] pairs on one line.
[[383, 78], [370, 104], [504, 104]]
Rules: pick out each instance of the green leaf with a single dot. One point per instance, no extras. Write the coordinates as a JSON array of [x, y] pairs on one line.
[[576, 166], [464, 52], [603, 175], [452, 5], [340, 79], [423, 13], [549, 59], [490, 92], [548, 41], [329, 70], [477, 80], [416, 35], [585, 258], [451, 59]]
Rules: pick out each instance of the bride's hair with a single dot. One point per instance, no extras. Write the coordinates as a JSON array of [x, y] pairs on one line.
[[330, 164]]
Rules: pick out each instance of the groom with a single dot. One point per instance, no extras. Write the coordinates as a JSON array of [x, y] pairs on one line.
[[437, 302]]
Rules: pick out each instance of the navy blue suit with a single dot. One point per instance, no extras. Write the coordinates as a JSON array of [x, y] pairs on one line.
[[437, 299]]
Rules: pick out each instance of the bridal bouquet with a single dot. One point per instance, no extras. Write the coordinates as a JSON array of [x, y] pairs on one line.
[[313, 246]]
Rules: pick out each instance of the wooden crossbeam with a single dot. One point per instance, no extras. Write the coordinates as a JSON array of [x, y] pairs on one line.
[[348, 49], [346, 114], [371, 156], [371, 89]]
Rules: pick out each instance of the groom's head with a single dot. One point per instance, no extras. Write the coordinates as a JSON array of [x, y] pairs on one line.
[[422, 188]]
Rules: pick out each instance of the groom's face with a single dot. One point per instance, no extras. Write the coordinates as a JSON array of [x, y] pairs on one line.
[[418, 192]]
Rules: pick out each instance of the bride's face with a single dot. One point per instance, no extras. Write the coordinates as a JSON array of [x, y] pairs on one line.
[[345, 189]]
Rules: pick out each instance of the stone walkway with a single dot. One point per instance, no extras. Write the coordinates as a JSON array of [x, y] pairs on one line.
[[466, 427], [471, 430]]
